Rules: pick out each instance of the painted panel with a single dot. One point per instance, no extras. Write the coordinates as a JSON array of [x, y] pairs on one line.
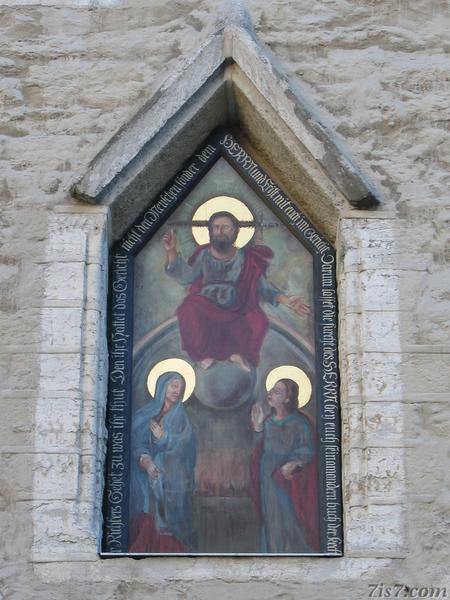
[[223, 412]]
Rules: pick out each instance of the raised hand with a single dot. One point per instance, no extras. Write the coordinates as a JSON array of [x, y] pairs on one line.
[[169, 242], [295, 303], [257, 416]]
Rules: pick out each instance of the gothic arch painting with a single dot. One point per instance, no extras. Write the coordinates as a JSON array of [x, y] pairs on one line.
[[223, 418]]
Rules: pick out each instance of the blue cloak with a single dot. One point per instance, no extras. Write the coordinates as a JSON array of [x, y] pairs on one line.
[[168, 499]]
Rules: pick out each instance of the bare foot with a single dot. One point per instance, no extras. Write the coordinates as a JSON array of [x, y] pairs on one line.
[[206, 363], [237, 358]]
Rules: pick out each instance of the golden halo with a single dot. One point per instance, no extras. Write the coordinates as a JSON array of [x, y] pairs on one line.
[[297, 375], [178, 365], [218, 203]]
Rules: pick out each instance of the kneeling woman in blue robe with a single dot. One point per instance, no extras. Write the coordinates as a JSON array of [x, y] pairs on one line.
[[162, 473]]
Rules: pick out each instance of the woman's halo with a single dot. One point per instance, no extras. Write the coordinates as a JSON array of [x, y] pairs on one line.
[[177, 365], [297, 375], [219, 203]]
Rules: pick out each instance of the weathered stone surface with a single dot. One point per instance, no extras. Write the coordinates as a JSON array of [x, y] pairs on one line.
[[382, 524], [73, 72], [61, 329], [385, 473], [55, 476], [17, 431], [375, 375], [72, 274], [385, 423], [55, 521], [60, 375], [376, 424]]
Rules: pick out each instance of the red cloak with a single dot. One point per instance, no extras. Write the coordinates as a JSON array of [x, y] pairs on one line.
[[145, 537], [209, 331], [302, 489]]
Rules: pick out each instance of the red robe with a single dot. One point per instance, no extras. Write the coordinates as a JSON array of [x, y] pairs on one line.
[[209, 331], [145, 537]]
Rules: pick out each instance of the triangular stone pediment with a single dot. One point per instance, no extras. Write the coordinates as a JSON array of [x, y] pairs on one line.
[[231, 81]]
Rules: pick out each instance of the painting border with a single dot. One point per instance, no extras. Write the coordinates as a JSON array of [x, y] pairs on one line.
[[116, 508]]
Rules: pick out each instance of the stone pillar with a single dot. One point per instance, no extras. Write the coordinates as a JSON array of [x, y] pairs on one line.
[[70, 409]]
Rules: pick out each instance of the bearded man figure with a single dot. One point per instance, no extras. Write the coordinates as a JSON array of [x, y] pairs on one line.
[[221, 317]]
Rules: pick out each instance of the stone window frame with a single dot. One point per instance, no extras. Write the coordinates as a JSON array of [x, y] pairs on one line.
[[231, 80]]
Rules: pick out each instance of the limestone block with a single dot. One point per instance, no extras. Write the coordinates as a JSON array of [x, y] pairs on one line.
[[385, 473], [95, 377], [429, 535], [374, 233], [8, 271], [65, 424], [77, 234], [384, 424], [91, 479], [376, 530], [18, 372], [89, 425], [96, 289], [373, 376], [63, 3], [427, 466], [61, 329], [381, 332], [61, 528], [98, 242], [353, 426], [431, 321], [17, 533], [17, 475], [375, 330], [66, 245], [63, 282], [371, 473], [368, 245], [15, 334], [380, 290], [55, 476], [94, 331], [60, 375], [354, 485], [11, 92], [374, 424], [414, 259], [362, 240], [427, 420], [349, 292], [218, 572], [425, 374], [350, 332], [351, 375], [16, 424]]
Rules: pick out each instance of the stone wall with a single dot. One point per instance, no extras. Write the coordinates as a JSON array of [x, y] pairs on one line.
[[72, 74]]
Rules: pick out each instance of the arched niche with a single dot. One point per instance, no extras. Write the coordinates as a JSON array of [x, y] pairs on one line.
[[233, 82]]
